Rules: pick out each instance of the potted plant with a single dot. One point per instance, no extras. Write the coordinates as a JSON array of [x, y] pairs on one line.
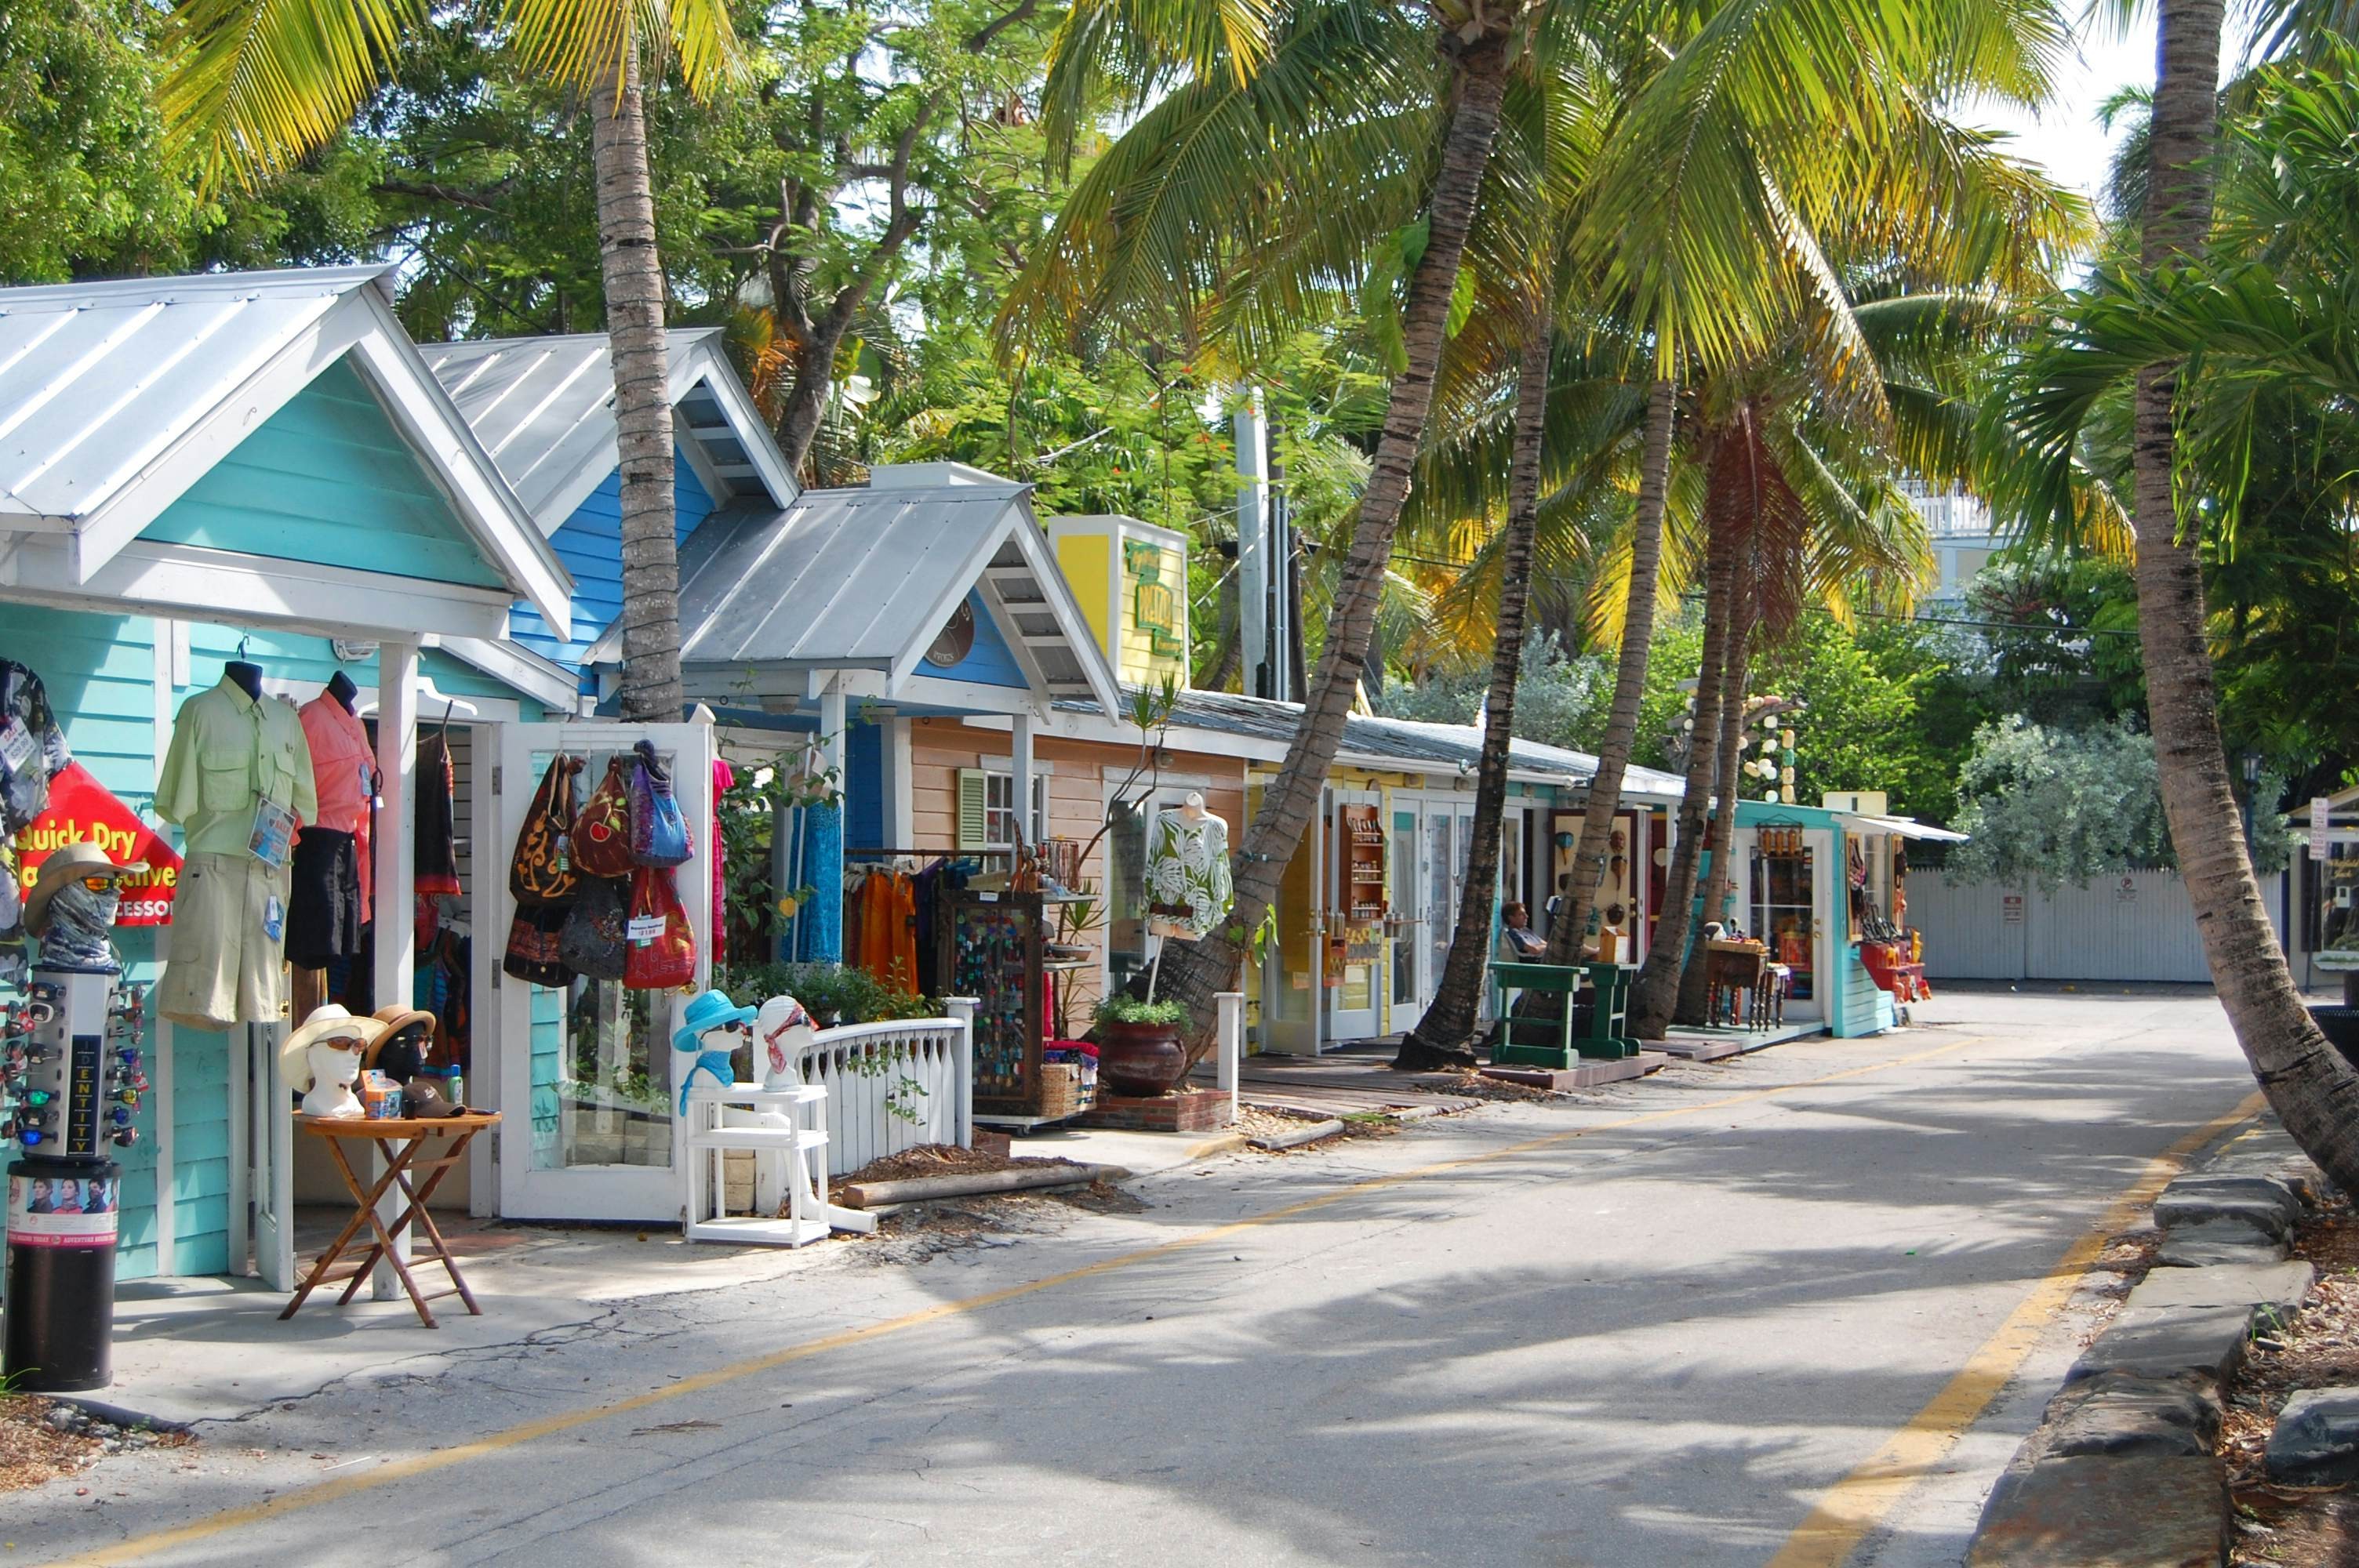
[[1139, 1051]]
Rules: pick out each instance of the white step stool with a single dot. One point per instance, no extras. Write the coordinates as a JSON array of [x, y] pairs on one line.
[[786, 1129]]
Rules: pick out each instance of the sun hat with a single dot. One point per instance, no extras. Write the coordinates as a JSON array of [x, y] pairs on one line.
[[76, 859], [329, 1020], [707, 1009], [397, 1018]]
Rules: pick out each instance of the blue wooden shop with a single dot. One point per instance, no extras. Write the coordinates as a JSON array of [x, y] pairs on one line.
[[259, 467]]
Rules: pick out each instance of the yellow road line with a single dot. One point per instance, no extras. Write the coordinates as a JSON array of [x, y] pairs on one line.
[[323, 1492], [1858, 1503]]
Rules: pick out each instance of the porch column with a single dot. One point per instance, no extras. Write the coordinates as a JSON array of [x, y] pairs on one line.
[[1020, 779], [396, 848], [824, 845]]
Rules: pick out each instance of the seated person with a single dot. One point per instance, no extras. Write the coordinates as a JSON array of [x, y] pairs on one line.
[[1518, 942]]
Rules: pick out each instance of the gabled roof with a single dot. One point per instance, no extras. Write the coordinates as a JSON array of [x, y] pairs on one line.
[[1403, 744], [545, 409], [116, 397], [865, 578]]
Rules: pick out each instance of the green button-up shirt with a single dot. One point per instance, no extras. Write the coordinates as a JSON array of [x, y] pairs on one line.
[[228, 752]]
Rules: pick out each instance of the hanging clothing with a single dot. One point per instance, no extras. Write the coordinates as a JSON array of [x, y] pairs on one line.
[[230, 753], [886, 923], [444, 987], [436, 860], [33, 749], [819, 924], [324, 911], [723, 777], [1188, 884], [343, 775]]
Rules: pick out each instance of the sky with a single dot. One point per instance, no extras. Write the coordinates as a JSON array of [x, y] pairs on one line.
[[2066, 137]]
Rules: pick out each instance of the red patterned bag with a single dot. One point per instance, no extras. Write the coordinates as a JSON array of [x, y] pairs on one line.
[[602, 831], [660, 950]]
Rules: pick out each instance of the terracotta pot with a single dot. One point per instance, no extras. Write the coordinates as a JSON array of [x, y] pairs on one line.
[[1140, 1059]]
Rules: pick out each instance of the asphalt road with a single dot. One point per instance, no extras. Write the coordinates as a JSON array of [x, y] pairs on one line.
[[1658, 1328]]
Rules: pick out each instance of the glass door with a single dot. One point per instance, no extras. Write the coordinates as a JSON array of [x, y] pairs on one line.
[[1784, 914], [1356, 895], [589, 1126]]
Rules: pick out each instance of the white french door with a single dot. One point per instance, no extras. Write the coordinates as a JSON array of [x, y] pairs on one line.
[[1354, 993], [589, 1128]]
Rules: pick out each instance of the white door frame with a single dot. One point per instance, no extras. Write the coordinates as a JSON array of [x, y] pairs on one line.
[[651, 1194], [1361, 1023]]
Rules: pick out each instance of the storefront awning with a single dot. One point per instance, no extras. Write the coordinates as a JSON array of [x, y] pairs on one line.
[[1900, 827]]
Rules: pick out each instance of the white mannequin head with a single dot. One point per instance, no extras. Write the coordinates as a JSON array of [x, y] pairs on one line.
[[783, 1031], [335, 1065]]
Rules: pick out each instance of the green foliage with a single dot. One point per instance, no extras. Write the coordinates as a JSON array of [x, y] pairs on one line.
[[1121, 1009], [1868, 695], [2062, 645], [847, 994], [2046, 805]]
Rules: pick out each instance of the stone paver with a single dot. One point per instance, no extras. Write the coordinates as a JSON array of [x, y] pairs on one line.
[[2120, 1412], [2152, 1511], [2315, 1442], [2169, 1342], [2257, 1201], [2219, 1241], [2280, 1286]]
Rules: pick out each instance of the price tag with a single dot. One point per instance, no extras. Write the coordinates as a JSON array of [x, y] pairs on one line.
[[273, 840], [644, 928], [17, 744], [274, 919]]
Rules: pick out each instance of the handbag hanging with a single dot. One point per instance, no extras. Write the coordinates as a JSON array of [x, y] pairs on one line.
[[542, 871], [533, 952], [592, 944], [601, 833], [660, 950], [658, 831]]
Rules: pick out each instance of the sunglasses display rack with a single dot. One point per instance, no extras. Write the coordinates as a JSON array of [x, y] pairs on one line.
[[992, 948]]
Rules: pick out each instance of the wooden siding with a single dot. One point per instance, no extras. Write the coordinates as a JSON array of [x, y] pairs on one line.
[[590, 543], [1079, 773], [329, 478]]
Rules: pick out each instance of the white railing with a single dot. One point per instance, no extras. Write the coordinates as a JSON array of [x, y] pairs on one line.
[[894, 1086]]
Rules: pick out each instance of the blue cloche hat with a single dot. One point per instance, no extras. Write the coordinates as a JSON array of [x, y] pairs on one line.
[[707, 1009]]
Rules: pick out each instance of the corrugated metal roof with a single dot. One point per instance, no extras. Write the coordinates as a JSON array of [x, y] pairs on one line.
[[545, 409], [97, 379], [1423, 746], [842, 577], [860, 578]]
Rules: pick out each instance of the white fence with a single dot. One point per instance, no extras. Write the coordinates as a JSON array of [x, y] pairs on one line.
[[893, 1085], [2132, 925]]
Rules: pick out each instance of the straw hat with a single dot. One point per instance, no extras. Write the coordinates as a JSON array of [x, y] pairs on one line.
[[75, 860], [397, 1018], [329, 1020]]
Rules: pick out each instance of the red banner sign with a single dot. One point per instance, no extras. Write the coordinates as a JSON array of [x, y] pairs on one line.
[[82, 810]]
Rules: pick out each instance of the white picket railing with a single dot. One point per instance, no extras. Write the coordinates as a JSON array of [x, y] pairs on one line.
[[893, 1085]]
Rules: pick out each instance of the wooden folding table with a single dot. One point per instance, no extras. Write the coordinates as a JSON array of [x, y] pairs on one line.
[[400, 1138]]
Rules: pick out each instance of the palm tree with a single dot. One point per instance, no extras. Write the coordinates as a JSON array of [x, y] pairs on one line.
[[2205, 341], [259, 84], [1117, 246]]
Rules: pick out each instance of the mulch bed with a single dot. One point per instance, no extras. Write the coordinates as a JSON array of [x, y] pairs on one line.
[[2320, 1348], [42, 1439], [938, 1159]]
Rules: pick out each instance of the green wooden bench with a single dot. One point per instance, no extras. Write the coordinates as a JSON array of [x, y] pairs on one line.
[[1554, 1043]]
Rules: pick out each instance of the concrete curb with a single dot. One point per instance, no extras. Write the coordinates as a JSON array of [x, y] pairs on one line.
[[2122, 1469], [1299, 1136]]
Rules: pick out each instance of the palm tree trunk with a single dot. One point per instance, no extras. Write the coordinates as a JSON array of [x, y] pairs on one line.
[[1721, 844], [633, 274], [1571, 924], [1441, 1036], [1656, 991], [1194, 973], [2313, 1090]]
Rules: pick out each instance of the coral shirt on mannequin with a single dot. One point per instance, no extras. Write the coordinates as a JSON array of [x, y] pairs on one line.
[[344, 765]]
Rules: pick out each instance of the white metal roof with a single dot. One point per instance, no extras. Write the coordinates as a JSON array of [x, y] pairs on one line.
[[116, 397], [1901, 826], [545, 409], [864, 579]]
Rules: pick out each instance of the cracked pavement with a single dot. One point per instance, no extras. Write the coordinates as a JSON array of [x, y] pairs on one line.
[[1475, 1342]]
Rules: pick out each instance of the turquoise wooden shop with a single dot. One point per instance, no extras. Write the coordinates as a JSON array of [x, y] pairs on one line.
[[190, 465]]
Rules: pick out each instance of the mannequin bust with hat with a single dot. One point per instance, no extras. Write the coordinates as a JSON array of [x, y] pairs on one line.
[[71, 908], [322, 1058], [712, 1028]]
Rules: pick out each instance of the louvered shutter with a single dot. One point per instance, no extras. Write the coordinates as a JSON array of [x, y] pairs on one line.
[[974, 808]]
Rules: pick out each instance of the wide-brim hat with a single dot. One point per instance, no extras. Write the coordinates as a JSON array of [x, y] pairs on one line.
[[329, 1020], [707, 1009], [395, 1019], [63, 866]]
